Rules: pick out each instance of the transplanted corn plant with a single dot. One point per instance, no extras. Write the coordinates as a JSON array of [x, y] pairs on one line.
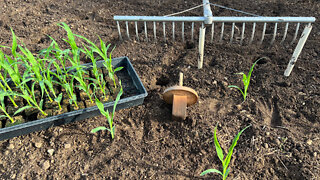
[[225, 161], [109, 116], [246, 81]]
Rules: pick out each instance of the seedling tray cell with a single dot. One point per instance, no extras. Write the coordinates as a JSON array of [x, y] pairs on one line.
[[134, 94]]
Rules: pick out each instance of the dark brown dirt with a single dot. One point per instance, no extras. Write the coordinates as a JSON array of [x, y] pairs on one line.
[[283, 142]]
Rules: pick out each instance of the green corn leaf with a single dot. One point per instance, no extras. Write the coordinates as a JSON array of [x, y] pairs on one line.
[[210, 171], [226, 173], [101, 107], [244, 79], [233, 86], [41, 104], [3, 116], [118, 69], [70, 35], [116, 101], [217, 145], [14, 44], [101, 128], [59, 98], [70, 101], [251, 69], [21, 109], [2, 98], [110, 120], [74, 97], [234, 143]]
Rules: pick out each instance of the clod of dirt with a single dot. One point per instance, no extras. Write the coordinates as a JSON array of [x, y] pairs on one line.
[[46, 165], [67, 146], [11, 146], [38, 144]]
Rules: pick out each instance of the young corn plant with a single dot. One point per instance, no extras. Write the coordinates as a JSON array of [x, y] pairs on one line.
[[10, 66], [36, 66], [246, 81], [102, 51], [3, 107], [84, 86], [225, 161], [66, 81], [5, 67], [110, 118], [98, 81], [31, 98]]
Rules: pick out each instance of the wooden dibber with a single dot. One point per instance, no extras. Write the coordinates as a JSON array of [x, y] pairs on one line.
[[181, 97]]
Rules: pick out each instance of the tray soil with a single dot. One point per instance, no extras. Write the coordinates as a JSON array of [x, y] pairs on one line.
[[283, 142]]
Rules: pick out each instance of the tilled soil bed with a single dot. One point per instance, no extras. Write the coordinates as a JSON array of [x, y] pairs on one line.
[[283, 142]]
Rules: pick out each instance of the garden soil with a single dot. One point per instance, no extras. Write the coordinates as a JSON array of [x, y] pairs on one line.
[[282, 143]]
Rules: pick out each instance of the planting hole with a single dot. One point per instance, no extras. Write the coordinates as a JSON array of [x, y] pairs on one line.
[[163, 81]]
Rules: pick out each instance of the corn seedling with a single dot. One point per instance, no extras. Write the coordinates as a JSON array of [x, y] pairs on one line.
[[67, 82], [225, 162], [38, 82], [108, 116], [98, 81], [3, 107], [31, 98], [3, 77], [103, 53], [84, 86], [246, 81]]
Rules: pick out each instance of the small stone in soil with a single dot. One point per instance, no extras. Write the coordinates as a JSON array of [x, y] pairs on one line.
[[267, 133], [50, 151], [46, 165], [309, 142], [266, 145]]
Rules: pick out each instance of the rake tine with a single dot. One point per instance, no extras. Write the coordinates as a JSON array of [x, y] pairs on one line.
[[192, 30], [154, 31], [127, 28], [242, 33], [212, 32], [253, 31], [136, 25], [222, 29], [232, 32], [145, 30], [298, 49], [182, 31], [296, 33], [118, 26], [285, 33], [173, 36], [164, 30], [263, 32], [274, 33], [202, 25]]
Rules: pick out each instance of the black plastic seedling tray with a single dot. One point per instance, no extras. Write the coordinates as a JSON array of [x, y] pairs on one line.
[[133, 95]]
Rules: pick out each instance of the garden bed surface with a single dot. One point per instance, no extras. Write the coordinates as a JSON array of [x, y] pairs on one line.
[[283, 142]]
